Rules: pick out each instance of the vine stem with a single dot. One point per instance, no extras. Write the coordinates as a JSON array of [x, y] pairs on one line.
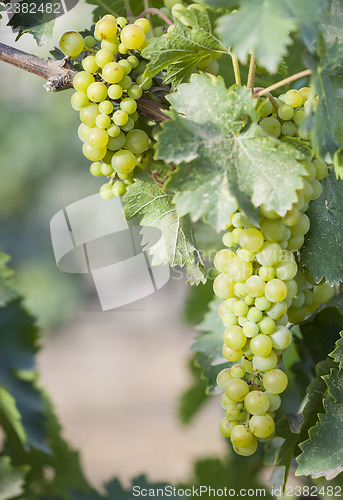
[[236, 71], [283, 82], [60, 74], [269, 95], [129, 12], [156, 12], [146, 7], [106, 8], [251, 74]]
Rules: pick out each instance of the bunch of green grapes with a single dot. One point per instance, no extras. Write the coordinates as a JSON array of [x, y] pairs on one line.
[[106, 94], [264, 293]]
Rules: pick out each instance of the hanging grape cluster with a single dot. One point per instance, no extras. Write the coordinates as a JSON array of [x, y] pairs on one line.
[[106, 97], [265, 292]]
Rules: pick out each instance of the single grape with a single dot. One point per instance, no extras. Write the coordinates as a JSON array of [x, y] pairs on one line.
[[286, 270], [82, 80], [132, 36], [226, 426], [293, 98], [289, 129], [261, 426], [93, 154], [236, 390], [254, 315], [83, 132], [106, 107], [277, 310], [115, 91], [97, 92], [234, 337], [106, 28], [103, 57], [123, 161], [275, 381], [321, 169], [143, 82], [95, 169], [222, 258], [240, 270], [266, 273], [270, 254], [285, 112], [89, 42], [112, 72], [231, 354], [97, 138], [111, 45], [120, 117], [129, 105], [262, 303], [89, 64], [255, 286], [223, 287], [126, 82], [271, 126], [302, 226], [281, 338], [88, 114], [250, 329], [261, 345], [106, 169], [129, 125], [143, 23], [71, 43], [241, 436], [251, 239], [267, 325], [117, 142], [237, 371], [275, 290], [247, 451], [79, 99], [106, 192], [265, 363], [240, 308], [134, 61], [125, 65], [256, 402], [232, 412], [103, 121], [223, 378], [323, 293]]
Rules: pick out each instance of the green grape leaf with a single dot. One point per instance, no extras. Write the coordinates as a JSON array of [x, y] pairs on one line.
[[327, 83], [331, 25], [221, 162], [309, 15], [177, 246], [12, 479], [314, 405], [193, 398], [325, 236], [337, 353], [7, 291], [322, 453], [242, 31], [10, 418], [209, 344], [18, 339], [321, 331], [181, 52]]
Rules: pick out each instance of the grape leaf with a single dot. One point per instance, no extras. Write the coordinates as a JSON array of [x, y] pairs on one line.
[[326, 232], [331, 25], [147, 199], [309, 15], [327, 83], [322, 453], [7, 291], [337, 353], [209, 344], [220, 161], [193, 398], [188, 45], [261, 26], [12, 479]]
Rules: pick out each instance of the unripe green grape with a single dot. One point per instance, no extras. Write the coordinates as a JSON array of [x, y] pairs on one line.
[[125, 83], [270, 214], [285, 112], [250, 329], [275, 290], [143, 23], [237, 371], [125, 65], [123, 161], [262, 303], [116, 143], [132, 36], [236, 220], [321, 169], [317, 189], [223, 378], [106, 28], [261, 426], [119, 188], [222, 259], [95, 169], [223, 287], [291, 217], [302, 226], [122, 49], [277, 310], [323, 293], [265, 107], [111, 45], [234, 337], [83, 132], [305, 93], [106, 107], [103, 121], [256, 402], [71, 43], [275, 381], [89, 42], [254, 315], [106, 192], [273, 230], [134, 61], [89, 64], [239, 289], [289, 129], [270, 254], [237, 233], [226, 426], [226, 306], [97, 138], [120, 117], [231, 354], [129, 125], [255, 286], [310, 170], [281, 338], [241, 436], [240, 270], [249, 300], [113, 130], [232, 413], [293, 98], [286, 270], [129, 105], [103, 57], [307, 192], [115, 91], [79, 99], [236, 390], [112, 72], [93, 154], [271, 126], [247, 451], [229, 319], [88, 114], [299, 117], [227, 240], [245, 255], [266, 273], [240, 308], [267, 325], [295, 243], [309, 298], [106, 169], [265, 363], [82, 80], [135, 92], [251, 239], [97, 92], [143, 82], [261, 345]]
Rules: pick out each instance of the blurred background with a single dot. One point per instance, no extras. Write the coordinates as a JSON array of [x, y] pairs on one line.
[[115, 377]]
